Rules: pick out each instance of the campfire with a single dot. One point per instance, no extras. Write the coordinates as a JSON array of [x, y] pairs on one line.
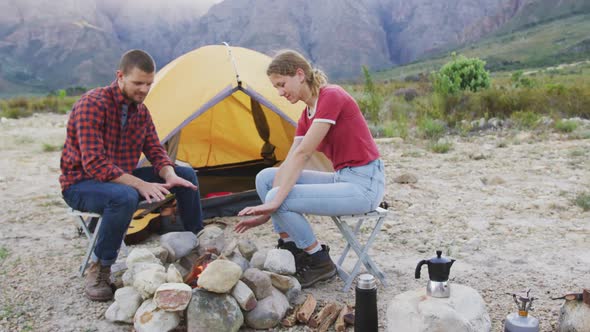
[[198, 267], [210, 285]]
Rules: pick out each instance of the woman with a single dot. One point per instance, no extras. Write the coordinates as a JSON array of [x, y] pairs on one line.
[[333, 124]]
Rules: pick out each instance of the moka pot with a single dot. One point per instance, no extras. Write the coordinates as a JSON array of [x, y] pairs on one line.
[[438, 271]]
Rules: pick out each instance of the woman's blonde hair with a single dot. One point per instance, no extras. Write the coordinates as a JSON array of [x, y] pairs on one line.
[[286, 63]]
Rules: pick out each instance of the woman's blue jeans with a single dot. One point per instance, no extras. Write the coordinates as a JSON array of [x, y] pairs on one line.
[[351, 190], [117, 203]]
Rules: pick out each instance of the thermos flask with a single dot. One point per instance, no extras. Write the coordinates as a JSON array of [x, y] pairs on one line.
[[365, 317]]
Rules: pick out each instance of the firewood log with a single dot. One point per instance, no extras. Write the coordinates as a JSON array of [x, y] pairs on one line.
[[340, 324], [290, 318], [326, 311], [306, 309], [329, 320]]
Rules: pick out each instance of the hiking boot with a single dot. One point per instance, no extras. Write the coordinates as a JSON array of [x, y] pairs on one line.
[[299, 254], [316, 267], [97, 281]]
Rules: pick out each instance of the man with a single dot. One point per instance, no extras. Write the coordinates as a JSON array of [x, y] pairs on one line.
[[107, 131]]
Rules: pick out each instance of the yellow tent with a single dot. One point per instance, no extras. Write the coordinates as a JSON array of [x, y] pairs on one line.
[[215, 109]]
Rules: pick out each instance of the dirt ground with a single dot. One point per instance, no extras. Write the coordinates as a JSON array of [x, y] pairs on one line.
[[500, 203]]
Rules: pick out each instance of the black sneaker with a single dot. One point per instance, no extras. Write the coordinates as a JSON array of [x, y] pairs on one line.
[[316, 267], [299, 254]]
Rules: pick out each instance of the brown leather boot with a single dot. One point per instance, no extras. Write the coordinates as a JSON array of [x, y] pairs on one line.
[[97, 283]]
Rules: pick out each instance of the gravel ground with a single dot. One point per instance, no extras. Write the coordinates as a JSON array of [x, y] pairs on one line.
[[501, 203]]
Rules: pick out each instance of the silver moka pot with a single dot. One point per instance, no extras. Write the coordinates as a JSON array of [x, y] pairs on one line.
[[438, 271]]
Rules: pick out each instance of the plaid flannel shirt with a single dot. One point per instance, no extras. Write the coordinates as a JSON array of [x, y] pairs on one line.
[[99, 147]]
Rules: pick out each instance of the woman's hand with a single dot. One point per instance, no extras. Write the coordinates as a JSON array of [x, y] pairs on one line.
[[266, 208], [245, 225]]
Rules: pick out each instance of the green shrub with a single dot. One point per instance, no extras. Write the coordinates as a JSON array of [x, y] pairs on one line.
[[583, 200], [396, 129], [440, 147], [566, 126], [461, 74], [50, 147], [431, 129], [521, 81], [3, 253], [372, 101], [525, 119]]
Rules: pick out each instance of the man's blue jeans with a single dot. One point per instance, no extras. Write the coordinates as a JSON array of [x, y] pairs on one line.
[[351, 190], [117, 203]]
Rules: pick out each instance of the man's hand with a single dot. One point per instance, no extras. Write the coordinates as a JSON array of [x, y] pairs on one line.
[[245, 225], [174, 180], [152, 191]]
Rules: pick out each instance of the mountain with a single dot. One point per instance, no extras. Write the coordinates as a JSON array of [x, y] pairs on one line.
[[47, 45]]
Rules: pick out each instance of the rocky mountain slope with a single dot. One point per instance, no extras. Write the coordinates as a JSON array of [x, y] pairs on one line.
[[46, 45]]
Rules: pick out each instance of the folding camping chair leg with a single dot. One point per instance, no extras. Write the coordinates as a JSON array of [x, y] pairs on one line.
[[85, 220], [90, 249], [361, 251]]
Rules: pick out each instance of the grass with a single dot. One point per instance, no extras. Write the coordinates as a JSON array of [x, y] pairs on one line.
[[440, 147], [566, 126], [431, 129], [20, 107], [583, 200], [51, 147], [3, 253]]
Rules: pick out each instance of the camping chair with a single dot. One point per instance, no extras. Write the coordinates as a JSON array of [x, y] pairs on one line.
[[353, 239], [89, 224]]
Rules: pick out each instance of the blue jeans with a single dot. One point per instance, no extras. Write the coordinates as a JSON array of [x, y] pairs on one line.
[[117, 203], [351, 190]]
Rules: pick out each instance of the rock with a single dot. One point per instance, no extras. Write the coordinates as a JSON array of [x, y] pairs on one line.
[[220, 276], [178, 244], [161, 253], [211, 238], [409, 94], [258, 259], [213, 312], [574, 316], [173, 296], [259, 282], [117, 271], [494, 181], [127, 301], [129, 275], [280, 282], [244, 296], [414, 311], [241, 261], [141, 255], [280, 261], [247, 248], [269, 312], [406, 178], [150, 318], [147, 282], [173, 275]]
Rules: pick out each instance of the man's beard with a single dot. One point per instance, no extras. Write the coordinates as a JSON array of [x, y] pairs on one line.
[[127, 97]]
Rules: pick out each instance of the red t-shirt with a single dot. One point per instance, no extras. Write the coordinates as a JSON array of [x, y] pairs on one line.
[[349, 141]]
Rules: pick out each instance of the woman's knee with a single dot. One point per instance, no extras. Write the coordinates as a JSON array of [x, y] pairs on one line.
[[266, 177]]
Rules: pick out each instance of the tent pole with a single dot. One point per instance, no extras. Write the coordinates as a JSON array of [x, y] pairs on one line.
[[233, 61]]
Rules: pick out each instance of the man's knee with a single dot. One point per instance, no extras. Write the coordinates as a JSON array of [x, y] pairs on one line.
[[126, 197], [186, 173]]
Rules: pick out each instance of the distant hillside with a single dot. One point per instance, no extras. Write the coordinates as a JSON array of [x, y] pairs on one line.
[[47, 45], [557, 41]]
